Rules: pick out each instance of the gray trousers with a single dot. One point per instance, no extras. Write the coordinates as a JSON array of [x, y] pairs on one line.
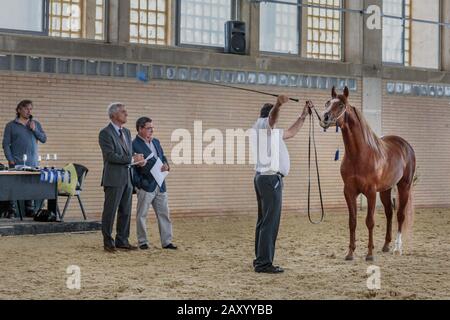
[[117, 199], [159, 201], [269, 192]]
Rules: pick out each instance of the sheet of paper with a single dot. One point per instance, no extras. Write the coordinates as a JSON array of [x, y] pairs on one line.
[[157, 174], [151, 155]]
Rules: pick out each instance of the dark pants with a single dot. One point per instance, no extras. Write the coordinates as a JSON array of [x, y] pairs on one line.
[[29, 208], [10, 209], [6, 211], [117, 199], [269, 193]]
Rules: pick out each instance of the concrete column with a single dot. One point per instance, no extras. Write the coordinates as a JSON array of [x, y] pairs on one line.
[[302, 51], [90, 18], [372, 45], [172, 21], [249, 13], [124, 21], [113, 26], [119, 21], [372, 58], [445, 38], [372, 102], [353, 32]]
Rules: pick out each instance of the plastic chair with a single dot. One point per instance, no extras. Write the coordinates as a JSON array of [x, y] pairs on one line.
[[81, 175]]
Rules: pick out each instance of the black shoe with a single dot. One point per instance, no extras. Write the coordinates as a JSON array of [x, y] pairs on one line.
[[29, 214], [11, 214], [144, 246], [110, 249], [127, 247], [271, 269], [171, 246]]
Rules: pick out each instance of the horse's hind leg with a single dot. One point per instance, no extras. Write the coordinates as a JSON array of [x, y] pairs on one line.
[[370, 221], [403, 197], [387, 204]]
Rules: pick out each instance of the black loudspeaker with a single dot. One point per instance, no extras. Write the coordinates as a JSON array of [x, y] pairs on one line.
[[235, 37]]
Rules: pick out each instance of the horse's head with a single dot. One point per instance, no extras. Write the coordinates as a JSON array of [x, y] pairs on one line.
[[335, 108]]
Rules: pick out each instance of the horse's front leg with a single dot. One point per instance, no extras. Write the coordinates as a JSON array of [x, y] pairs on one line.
[[350, 198], [370, 221]]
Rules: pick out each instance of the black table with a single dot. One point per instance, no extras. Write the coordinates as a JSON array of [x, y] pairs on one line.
[[24, 185]]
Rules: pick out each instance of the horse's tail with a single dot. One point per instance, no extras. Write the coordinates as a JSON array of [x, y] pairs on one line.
[[408, 223]]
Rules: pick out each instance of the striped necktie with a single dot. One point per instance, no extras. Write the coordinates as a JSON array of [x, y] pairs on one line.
[[122, 137]]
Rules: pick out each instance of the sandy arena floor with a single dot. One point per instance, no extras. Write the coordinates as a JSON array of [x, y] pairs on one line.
[[214, 262]]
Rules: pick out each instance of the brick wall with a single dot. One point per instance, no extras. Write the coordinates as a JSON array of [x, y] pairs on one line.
[[73, 110], [425, 124]]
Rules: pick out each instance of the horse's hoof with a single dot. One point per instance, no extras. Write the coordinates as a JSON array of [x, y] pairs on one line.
[[397, 252], [386, 249], [348, 258], [370, 258]]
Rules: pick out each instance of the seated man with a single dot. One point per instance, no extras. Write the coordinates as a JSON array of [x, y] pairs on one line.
[[148, 191]]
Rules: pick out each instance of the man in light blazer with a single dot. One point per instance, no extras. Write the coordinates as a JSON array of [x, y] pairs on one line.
[[115, 142]]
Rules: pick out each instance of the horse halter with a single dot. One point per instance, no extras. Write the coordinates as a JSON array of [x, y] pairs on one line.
[[342, 113]]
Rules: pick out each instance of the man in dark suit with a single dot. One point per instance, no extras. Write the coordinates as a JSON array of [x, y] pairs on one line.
[[149, 193], [115, 142]]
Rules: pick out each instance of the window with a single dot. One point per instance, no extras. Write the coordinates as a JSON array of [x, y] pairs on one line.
[[65, 18], [393, 32], [279, 25], [425, 37], [407, 41], [319, 32], [22, 15], [202, 22], [99, 19], [149, 21], [324, 30]]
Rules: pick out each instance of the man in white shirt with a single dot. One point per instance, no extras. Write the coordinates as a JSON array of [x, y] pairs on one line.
[[272, 165]]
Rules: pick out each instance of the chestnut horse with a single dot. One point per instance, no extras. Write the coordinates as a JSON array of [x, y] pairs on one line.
[[372, 165]]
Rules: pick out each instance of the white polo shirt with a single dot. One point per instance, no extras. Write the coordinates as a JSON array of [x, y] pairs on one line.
[[272, 155]]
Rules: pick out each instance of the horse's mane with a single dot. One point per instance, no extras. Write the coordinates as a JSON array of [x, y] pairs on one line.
[[370, 137]]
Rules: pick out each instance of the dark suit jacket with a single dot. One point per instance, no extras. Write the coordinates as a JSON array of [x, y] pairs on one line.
[[143, 178], [116, 157]]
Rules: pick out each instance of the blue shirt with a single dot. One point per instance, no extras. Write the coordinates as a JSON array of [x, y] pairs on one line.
[[19, 139]]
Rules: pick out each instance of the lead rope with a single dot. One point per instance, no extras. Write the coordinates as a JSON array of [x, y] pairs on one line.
[[313, 140]]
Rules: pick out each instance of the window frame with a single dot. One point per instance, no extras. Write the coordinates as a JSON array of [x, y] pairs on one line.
[[341, 34], [234, 10], [45, 23], [167, 28], [411, 20], [105, 21], [302, 8], [403, 63], [300, 35], [83, 27]]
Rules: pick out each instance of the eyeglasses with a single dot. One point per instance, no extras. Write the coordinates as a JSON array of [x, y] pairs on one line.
[[147, 128]]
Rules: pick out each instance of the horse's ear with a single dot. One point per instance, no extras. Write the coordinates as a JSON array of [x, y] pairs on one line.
[[346, 92], [333, 92]]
